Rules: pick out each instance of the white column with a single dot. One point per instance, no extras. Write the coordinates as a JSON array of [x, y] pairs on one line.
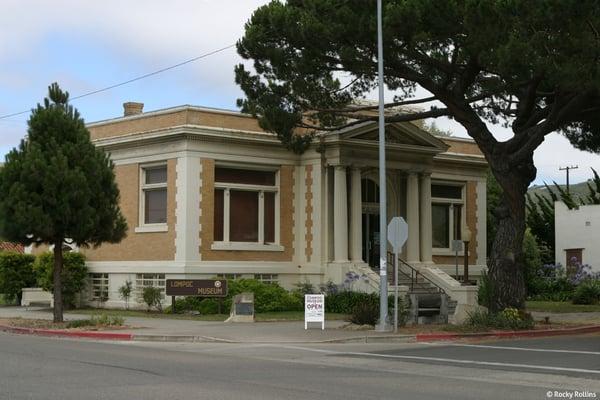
[[356, 216], [340, 215], [412, 217], [425, 213], [187, 199]]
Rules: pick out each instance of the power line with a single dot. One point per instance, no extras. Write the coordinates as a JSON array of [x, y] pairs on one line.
[[134, 79]]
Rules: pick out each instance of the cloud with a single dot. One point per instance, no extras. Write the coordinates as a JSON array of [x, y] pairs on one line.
[[89, 45]]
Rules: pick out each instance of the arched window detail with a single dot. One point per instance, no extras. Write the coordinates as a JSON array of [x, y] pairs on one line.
[[369, 191]]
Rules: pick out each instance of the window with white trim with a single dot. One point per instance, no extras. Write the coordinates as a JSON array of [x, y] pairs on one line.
[[98, 285], [269, 279], [447, 216], [230, 277], [153, 195], [246, 206], [146, 280]]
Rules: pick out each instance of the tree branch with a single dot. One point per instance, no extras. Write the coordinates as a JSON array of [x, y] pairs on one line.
[[527, 104]]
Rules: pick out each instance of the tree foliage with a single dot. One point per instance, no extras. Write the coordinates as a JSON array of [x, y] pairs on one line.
[[16, 273], [74, 275], [57, 187], [531, 65]]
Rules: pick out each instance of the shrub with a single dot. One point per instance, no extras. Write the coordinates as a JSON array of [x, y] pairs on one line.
[[344, 301], [587, 293], [152, 296], [485, 292], [74, 274], [532, 261], [510, 318], [366, 310], [97, 320], [304, 288], [125, 293], [267, 297], [551, 284], [16, 273], [199, 304], [365, 313]]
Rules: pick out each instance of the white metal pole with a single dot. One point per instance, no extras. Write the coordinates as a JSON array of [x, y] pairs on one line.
[[383, 300], [396, 266]]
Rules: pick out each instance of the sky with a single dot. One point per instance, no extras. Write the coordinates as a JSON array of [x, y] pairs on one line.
[[85, 46]]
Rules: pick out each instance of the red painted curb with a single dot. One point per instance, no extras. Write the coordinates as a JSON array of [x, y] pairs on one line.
[[71, 334], [428, 337]]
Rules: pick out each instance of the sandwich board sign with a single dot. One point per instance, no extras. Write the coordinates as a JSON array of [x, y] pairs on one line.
[[314, 309]]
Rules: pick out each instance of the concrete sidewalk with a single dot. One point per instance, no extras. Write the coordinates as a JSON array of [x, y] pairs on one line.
[[164, 329], [173, 330]]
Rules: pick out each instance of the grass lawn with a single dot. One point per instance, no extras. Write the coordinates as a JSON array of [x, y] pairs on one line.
[[269, 316], [560, 307]]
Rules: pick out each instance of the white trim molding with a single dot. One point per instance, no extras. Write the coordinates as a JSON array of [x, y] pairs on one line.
[[187, 212]]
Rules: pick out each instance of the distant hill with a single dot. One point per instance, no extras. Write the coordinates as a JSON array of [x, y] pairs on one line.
[[578, 190]]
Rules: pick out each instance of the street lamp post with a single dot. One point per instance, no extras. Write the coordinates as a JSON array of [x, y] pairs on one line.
[[383, 296], [466, 238]]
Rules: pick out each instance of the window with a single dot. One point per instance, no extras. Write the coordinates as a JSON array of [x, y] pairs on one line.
[[446, 214], [369, 191], [246, 206], [98, 284], [147, 280], [153, 195], [230, 277], [269, 279]]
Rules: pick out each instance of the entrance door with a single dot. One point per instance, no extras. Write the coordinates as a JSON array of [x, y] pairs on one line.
[[370, 229]]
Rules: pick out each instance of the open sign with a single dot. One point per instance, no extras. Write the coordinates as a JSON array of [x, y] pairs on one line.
[[314, 309]]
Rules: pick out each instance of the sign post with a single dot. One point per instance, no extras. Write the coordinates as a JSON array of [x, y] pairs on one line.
[[397, 233], [314, 309], [456, 248]]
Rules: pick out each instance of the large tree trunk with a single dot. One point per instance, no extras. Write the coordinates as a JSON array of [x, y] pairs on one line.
[[58, 264], [506, 268]]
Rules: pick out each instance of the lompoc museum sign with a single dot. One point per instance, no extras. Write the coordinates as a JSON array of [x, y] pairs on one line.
[[197, 287]]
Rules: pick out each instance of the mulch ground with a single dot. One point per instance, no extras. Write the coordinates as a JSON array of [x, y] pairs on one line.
[[47, 324]]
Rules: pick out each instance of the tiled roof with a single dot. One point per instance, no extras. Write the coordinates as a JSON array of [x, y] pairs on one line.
[[8, 246]]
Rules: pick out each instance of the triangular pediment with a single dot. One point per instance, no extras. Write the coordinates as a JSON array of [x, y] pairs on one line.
[[403, 134]]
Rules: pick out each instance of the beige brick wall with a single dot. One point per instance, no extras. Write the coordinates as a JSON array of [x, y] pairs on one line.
[[308, 236], [471, 208], [286, 221], [154, 246], [175, 118]]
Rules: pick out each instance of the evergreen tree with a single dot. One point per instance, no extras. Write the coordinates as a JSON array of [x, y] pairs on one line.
[[531, 65], [58, 188], [594, 187]]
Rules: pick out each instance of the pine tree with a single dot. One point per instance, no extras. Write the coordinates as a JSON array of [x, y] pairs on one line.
[[529, 65], [57, 188]]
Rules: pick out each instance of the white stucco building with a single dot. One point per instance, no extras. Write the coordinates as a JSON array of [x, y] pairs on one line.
[[577, 234]]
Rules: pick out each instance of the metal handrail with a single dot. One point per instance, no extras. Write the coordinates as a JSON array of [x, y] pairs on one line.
[[414, 274]]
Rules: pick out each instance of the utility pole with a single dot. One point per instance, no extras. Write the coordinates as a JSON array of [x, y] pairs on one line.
[[568, 169]]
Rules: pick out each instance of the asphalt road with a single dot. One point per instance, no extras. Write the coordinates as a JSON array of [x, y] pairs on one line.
[[46, 368]]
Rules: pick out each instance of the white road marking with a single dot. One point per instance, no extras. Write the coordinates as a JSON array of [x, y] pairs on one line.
[[446, 360], [515, 348]]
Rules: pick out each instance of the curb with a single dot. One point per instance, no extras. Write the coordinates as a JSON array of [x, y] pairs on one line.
[[432, 337], [421, 337], [70, 334]]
